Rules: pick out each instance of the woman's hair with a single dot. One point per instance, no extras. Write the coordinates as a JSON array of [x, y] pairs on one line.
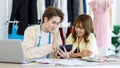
[[87, 24], [52, 11]]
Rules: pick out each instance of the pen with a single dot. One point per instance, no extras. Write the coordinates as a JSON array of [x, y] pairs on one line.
[[43, 63]]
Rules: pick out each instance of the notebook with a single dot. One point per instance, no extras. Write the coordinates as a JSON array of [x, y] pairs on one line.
[[11, 51]]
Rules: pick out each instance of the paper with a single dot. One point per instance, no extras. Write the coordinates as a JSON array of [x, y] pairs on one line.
[[67, 62]]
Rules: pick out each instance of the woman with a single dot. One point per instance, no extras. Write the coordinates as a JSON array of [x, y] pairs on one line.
[[82, 38]]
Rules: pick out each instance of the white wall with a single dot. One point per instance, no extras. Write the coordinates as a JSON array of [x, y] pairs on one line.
[[2, 18], [5, 12], [116, 12]]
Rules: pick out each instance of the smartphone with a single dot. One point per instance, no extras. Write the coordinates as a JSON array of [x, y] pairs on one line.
[[67, 46]]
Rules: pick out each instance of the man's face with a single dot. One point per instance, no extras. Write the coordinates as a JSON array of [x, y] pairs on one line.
[[52, 23]]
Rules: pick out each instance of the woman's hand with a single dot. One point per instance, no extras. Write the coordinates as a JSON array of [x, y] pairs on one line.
[[85, 53], [64, 54]]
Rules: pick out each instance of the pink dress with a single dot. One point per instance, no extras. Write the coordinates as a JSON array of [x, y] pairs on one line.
[[101, 22]]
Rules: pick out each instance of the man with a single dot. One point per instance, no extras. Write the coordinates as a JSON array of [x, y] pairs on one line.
[[40, 40]]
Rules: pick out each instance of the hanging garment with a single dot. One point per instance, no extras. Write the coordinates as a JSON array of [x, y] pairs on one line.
[[84, 7], [62, 36], [81, 7], [62, 4], [49, 3], [14, 35], [40, 8], [73, 10], [69, 31], [101, 22], [24, 11]]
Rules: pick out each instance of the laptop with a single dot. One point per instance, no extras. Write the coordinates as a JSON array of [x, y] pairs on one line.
[[11, 51]]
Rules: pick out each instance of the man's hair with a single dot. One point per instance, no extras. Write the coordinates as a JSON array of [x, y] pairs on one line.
[[52, 11]]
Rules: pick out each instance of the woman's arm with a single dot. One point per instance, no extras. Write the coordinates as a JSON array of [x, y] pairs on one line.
[[83, 53]]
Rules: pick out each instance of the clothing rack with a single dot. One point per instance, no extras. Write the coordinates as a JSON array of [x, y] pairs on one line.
[[7, 25]]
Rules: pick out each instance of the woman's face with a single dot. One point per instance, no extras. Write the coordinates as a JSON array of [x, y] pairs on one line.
[[80, 31]]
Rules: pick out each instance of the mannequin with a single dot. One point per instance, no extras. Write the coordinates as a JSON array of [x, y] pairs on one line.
[[103, 1], [101, 12], [100, 1], [110, 11]]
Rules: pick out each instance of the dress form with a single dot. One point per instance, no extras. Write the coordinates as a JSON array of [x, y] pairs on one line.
[[101, 12], [102, 18], [101, 1]]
